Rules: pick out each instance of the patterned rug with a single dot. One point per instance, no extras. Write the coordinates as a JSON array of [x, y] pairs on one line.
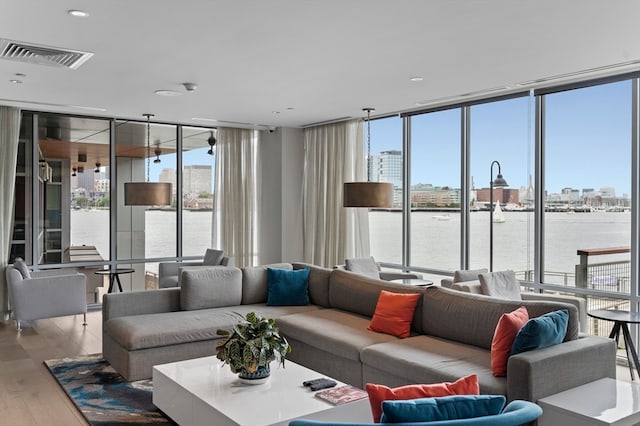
[[102, 395]]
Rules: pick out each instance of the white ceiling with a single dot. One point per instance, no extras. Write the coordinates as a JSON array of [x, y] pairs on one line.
[[310, 60]]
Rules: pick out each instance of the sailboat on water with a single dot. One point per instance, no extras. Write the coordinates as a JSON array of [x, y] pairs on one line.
[[498, 215]]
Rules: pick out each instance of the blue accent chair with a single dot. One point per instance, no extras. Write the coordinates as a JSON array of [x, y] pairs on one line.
[[514, 414]]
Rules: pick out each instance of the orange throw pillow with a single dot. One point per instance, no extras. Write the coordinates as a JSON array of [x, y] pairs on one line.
[[467, 385], [394, 312], [503, 338]]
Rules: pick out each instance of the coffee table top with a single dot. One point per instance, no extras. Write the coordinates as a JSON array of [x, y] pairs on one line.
[[615, 315], [279, 400]]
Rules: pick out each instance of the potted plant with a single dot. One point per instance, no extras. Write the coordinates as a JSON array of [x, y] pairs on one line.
[[251, 346]]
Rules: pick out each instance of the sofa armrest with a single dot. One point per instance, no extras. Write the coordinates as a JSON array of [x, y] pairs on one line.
[[116, 305], [389, 276], [468, 287], [446, 282], [539, 373], [578, 302]]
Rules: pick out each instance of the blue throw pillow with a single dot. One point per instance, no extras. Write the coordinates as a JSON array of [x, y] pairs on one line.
[[540, 332], [442, 408], [287, 287]]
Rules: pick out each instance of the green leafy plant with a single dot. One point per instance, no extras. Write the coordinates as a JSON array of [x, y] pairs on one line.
[[252, 343]]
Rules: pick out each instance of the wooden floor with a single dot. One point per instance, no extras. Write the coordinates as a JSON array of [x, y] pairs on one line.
[[29, 395]]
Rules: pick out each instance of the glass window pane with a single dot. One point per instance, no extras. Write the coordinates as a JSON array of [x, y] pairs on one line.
[[385, 165], [146, 232], [502, 132], [435, 190], [198, 161], [73, 182], [21, 238], [587, 186]]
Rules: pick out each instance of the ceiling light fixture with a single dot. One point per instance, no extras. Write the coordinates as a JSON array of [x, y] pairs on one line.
[[212, 143], [147, 193], [167, 93], [78, 13], [15, 81], [157, 152], [97, 170], [368, 194], [73, 169], [190, 87], [416, 79]]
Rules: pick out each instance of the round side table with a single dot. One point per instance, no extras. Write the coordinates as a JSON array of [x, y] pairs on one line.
[[114, 276], [621, 321]]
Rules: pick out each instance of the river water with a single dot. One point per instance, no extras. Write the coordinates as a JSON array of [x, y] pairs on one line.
[[435, 237]]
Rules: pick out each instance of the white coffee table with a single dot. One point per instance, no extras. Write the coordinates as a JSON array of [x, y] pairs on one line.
[[603, 402], [203, 391]]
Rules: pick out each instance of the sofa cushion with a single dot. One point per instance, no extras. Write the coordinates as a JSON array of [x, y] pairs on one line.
[[541, 332], [503, 339], [212, 287], [394, 313], [364, 266], [356, 293], [287, 287], [502, 284], [342, 333], [19, 264], [455, 407], [467, 385], [472, 318], [429, 360], [213, 257], [254, 282], [467, 274], [318, 283]]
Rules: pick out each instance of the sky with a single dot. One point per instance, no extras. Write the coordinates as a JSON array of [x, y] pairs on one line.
[[588, 141]]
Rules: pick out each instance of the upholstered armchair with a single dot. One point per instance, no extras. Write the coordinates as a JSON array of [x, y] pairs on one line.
[[169, 272], [369, 267], [504, 284], [45, 294], [516, 413]]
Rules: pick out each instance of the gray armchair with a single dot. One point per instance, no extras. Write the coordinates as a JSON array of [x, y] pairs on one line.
[[45, 294], [369, 267], [169, 272]]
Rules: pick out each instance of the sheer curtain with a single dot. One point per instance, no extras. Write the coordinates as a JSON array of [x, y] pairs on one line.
[[9, 134], [333, 154], [235, 196]]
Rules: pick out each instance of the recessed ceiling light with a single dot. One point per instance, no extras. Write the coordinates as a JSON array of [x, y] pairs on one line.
[[275, 112], [167, 93], [78, 13], [14, 81], [416, 79], [19, 74]]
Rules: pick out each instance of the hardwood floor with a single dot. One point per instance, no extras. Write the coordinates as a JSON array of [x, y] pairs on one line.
[[29, 395]]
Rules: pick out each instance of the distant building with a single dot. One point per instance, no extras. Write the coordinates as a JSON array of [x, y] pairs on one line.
[[426, 195], [102, 185], [196, 180], [504, 195], [169, 175], [387, 167]]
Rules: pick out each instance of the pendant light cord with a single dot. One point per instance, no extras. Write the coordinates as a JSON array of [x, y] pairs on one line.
[[368, 110], [148, 144]]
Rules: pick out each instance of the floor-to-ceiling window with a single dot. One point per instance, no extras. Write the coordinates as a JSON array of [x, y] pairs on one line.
[[435, 190], [587, 178], [386, 165], [502, 131], [198, 163]]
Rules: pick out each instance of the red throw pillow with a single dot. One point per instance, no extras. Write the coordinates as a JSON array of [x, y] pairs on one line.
[[467, 385], [503, 338], [394, 312]]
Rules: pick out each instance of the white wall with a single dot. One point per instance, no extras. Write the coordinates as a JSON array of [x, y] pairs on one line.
[[280, 222]]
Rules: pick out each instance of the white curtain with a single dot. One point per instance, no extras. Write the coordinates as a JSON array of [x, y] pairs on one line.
[[333, 154], [9, 134], [236, 196]]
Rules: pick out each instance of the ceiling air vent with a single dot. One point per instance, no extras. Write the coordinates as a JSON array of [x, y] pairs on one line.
[[42, 55]]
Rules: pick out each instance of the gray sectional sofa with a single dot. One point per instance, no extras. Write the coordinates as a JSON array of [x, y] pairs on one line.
[[451, 332]]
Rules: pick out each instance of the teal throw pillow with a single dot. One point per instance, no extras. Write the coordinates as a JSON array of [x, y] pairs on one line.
[[287, 287], [541, 332], [442, 408]]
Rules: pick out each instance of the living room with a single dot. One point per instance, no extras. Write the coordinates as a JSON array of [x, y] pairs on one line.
[[565, 88]]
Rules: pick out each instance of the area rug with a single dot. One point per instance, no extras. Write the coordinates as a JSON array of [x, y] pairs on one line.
[[102, 395]]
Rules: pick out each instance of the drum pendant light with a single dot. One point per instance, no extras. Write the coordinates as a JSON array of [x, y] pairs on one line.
[[147, 193], [368, 194]]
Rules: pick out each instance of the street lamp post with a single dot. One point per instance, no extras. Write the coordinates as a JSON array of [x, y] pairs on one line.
[[499, 182]]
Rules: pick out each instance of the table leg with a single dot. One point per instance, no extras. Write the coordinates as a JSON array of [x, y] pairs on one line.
[[119, 285], [111, 280], [630, 348]]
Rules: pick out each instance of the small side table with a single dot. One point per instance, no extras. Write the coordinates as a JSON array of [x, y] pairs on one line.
[[621, 321], [114, 276], [413, 281]]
